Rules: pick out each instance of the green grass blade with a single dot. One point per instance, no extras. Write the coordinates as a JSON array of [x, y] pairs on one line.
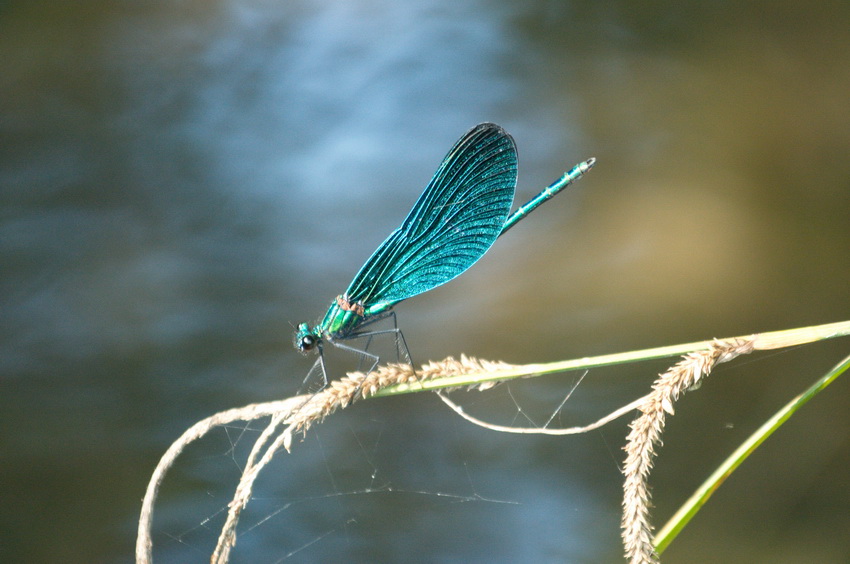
[[681, 518], [762, 341]]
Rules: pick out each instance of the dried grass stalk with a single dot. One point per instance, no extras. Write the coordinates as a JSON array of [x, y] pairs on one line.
[[646, 432], [289, 418]]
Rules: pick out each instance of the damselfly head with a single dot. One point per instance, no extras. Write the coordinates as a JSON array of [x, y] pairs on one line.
[[305, 339]]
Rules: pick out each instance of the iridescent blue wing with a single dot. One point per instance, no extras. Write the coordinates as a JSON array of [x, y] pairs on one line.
[[455, 221]]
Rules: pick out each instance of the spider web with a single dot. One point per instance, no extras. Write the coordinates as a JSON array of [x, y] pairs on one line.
[[352, 481]]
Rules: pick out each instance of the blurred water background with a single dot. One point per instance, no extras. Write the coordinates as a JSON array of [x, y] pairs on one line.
[[182, 182]]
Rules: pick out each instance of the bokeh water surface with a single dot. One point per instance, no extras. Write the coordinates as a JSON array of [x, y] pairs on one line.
[[182, 182]]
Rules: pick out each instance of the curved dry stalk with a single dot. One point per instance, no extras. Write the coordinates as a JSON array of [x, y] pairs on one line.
[[544, 430], [195, 432], [297, 414], [227, 538], [646, 433]]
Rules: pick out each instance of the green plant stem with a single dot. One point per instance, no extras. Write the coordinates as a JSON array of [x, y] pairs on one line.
[[681, 518], [763, 341]]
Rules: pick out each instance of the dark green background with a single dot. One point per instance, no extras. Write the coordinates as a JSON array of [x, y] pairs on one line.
[[182, 182]]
